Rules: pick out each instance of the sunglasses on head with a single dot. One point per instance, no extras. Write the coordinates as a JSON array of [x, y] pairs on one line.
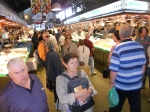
[[47, 36]]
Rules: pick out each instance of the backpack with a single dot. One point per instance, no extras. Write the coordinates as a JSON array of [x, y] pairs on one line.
[[37, 57], [73, 86]]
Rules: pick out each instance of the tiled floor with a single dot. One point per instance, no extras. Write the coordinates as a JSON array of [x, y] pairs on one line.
[[102, 86]]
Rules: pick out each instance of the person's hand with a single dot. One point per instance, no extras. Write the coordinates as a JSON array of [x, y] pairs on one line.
[[81, 94], [81, 99], [89, 92], [112, 85]]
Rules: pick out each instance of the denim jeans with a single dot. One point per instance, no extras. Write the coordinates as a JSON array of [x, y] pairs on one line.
[[91, 62]]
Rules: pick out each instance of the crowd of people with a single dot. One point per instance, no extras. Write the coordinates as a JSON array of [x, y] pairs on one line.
[[128, 63]]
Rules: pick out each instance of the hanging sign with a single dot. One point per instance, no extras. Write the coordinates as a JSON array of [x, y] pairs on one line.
[[46, 8], [36, 9]]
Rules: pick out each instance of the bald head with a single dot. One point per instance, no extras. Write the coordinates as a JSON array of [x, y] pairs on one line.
[[87, 35]]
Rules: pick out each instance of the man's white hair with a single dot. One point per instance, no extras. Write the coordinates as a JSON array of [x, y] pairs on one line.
[[14, 62]]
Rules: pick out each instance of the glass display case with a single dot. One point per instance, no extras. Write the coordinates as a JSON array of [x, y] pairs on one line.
[[102, 49], [7, 54]]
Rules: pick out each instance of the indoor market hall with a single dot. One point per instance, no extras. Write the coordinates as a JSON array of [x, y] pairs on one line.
[[74, 55]]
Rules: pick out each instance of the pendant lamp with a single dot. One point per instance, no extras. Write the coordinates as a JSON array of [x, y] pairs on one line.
[[56, 7]]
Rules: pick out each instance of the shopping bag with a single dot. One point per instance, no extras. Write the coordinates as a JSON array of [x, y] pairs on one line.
[[113, 97]]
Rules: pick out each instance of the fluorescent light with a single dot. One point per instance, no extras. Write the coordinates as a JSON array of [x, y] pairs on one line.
[[56, 9], [2, 20], [44, 21]]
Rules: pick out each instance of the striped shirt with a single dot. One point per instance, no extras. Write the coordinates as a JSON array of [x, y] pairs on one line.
[[14, 98], [127, 60]]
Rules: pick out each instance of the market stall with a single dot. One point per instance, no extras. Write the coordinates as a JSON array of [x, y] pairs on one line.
[[102, 22]]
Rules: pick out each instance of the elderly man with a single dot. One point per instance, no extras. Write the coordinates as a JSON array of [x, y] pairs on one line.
[[53, 65], [90, 45], [24, 92], [127, 67], [42, 51], [42, 48]]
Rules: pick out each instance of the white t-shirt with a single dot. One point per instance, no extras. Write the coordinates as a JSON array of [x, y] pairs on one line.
[[84, 53], [62, 40], [52, 38]]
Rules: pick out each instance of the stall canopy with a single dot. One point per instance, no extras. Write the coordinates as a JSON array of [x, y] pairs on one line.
[[8, 14]]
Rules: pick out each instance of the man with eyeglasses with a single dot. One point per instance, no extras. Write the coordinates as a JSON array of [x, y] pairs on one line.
[[42, 48], [42, 51]]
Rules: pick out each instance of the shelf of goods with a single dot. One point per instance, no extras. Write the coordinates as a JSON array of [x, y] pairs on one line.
[[7, 54], [10, 53], [101, 52]]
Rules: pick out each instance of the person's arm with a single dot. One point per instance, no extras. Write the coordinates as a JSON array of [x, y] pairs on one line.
[[92, 46], [143, 69], [110, 53], [63, 96], [41, 51], [3, 106], [68, 98], [76, 49], [112, 78], [91, 87], [57, 64]]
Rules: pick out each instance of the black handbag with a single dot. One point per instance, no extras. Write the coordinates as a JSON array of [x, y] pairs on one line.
[[81, 63], [106, 72]]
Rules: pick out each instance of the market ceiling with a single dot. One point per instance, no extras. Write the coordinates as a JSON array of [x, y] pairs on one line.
[[21, 5]]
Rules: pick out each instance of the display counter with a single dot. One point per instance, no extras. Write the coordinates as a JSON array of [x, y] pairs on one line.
[[101, 52], [10, 53], [7, 54], [100, 58]]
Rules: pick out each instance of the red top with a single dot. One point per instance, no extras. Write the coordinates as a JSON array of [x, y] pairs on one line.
[[89, 44]]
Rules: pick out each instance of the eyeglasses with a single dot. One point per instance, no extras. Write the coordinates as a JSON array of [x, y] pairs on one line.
[[47, 36], [68, 38]]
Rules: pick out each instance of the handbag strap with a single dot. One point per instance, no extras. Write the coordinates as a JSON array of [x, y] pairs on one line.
[[69, 78], [65, 75]]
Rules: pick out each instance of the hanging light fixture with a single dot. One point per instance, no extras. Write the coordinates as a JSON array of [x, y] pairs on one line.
[[56, 7]]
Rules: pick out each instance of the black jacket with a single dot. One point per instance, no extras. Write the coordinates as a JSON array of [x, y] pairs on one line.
[[53, 65]]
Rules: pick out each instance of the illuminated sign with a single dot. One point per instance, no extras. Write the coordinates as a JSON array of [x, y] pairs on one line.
[[68, 12], [129, 5]]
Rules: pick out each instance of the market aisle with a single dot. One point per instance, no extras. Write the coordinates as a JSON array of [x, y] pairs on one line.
[[102, 86]]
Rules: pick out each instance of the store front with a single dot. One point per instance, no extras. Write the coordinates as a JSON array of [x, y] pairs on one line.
[[102, 21]]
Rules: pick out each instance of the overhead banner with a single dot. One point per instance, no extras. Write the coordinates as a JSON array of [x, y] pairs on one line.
[[41, 9], [36, 9], [46, 8]]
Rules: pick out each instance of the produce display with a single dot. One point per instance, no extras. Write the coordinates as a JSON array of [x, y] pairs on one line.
[[24, 40], [104, 44], [6, 55]]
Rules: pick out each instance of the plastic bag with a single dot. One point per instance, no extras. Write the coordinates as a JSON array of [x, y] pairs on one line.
[[113, 97]]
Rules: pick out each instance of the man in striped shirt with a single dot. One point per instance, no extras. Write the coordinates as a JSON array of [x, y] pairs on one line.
[[24, 92], [127, 66]]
